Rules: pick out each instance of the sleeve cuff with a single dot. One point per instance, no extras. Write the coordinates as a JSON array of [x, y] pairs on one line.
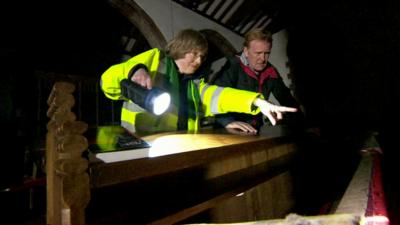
[[136, 68]]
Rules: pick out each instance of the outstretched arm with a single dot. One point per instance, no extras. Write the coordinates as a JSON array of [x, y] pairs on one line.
[[273, 112]]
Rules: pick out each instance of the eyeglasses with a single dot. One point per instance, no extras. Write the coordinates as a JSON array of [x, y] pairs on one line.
[[197, 54]]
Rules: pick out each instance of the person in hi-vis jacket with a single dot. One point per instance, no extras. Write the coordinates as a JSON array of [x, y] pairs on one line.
[[192, 98]]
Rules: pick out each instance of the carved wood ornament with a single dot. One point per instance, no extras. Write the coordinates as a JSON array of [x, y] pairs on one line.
[[68, 190]]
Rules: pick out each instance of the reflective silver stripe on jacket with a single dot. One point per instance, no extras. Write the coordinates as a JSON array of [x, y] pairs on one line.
[[214, 98], [158, 79], [128, 126], [133, 107]]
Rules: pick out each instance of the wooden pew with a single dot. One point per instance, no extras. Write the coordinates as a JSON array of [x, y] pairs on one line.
[[215, 173], [220, 167], [227, 177], [226, 173]]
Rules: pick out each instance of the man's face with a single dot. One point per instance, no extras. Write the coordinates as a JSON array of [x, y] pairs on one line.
[[257, 54]]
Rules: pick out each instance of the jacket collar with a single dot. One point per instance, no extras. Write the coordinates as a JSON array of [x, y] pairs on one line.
[[268, 72]]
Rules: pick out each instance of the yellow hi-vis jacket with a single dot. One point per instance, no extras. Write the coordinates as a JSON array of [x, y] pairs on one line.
[[212, 99]]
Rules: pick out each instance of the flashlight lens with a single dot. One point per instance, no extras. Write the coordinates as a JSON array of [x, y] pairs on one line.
[[161, 103]]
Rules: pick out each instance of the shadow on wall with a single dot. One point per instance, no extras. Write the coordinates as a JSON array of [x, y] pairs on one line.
[[218, 47]]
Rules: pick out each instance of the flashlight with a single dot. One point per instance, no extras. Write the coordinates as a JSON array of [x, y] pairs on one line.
[[154, 100]]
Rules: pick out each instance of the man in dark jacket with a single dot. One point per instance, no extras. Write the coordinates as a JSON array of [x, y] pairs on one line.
[[251, 71]]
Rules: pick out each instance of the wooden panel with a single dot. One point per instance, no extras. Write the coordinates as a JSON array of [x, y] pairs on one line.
[[270, 199]]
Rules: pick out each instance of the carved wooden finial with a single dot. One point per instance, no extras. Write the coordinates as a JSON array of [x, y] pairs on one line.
[[68, 190]]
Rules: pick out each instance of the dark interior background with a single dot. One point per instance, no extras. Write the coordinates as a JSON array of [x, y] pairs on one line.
[[344, 58], [343, 55]]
